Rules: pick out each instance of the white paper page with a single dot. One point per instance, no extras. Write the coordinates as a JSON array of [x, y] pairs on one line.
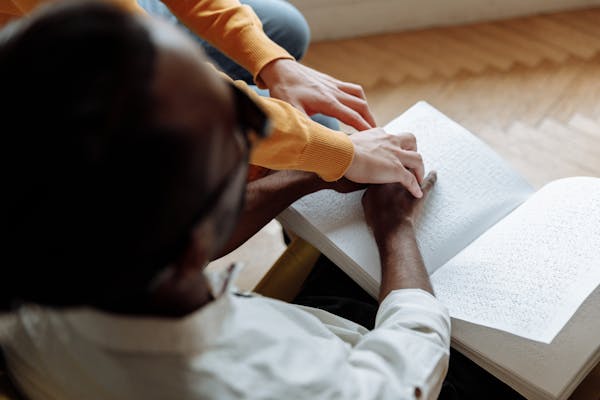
[[537, 370], [475, 189], [529, 273]]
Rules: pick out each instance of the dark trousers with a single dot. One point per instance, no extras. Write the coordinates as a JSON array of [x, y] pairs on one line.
[[328, 288]]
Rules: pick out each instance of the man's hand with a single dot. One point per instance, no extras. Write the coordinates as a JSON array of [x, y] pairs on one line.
[[268, 196], [391, 212], [344, 186], [314, 92], [313, 183], [383, 158], [390, 206]]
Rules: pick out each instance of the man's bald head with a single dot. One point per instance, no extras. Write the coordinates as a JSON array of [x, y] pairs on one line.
[[112, 130], [189, 96]]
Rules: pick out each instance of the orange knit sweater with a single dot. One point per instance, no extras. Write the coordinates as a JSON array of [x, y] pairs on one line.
[[296, 141]]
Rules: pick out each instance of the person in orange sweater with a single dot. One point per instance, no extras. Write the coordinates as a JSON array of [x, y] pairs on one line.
[[370, 156]]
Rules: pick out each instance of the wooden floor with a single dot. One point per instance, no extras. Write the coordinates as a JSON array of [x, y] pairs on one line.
[[529, 87]]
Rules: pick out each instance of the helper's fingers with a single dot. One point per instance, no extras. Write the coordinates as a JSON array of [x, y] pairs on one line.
[[352, 88], [409, 181], [345, 114], [359, 105], [408, 141], [413, 161], [356, 91], [297, 105]]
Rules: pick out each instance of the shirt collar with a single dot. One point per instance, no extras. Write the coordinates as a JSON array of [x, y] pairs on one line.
[[191, 333]]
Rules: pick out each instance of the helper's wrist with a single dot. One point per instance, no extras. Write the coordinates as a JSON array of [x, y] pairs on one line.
[[272, 73]]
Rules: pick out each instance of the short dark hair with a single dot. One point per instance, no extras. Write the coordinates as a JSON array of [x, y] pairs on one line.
[[92, 184]]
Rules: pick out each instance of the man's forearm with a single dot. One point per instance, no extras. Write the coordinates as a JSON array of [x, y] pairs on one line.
[[267, 197], [402, 266]]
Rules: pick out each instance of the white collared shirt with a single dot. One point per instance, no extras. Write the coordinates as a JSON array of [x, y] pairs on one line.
[[236, 347]]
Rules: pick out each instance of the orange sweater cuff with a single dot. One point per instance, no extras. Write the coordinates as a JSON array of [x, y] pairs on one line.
[[259, 51], [329, 152]]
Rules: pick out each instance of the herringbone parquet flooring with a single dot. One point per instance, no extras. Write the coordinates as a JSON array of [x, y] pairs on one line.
[[529, 87]]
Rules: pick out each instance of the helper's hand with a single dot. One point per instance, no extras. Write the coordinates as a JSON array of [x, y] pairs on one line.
[[390, 207], [314, 92], [383, 158]]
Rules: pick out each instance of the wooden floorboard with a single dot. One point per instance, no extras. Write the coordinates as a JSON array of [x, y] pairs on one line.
[[516, 83]]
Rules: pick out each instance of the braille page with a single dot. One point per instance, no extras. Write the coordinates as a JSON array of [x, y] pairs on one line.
[[537, 370], [475, 189], [529, 273]]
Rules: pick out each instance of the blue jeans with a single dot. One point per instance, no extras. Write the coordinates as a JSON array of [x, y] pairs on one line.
[[282, 23]]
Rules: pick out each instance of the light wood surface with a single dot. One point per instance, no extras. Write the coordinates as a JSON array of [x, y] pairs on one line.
[[529, 87]]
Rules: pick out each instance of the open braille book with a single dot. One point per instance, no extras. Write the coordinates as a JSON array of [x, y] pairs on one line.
[[517, 268]]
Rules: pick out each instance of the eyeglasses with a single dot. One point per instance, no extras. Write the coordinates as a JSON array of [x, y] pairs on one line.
[[251, 119], [220, 213], [224, 203], [254, 125]]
